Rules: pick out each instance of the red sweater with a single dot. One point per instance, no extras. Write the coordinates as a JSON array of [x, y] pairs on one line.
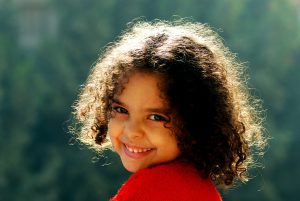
[[175, 181]]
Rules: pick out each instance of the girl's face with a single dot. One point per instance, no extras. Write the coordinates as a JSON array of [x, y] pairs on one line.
[[137, 127]]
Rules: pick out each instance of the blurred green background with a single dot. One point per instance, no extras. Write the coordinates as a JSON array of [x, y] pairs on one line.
[[47, 48]]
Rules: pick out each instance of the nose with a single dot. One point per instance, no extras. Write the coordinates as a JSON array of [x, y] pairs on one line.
[[133, 129]]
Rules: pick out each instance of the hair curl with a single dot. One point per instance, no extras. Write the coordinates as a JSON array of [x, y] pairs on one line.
[[220, 125]]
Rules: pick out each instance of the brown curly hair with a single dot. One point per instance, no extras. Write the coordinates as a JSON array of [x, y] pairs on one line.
[[220, 125]]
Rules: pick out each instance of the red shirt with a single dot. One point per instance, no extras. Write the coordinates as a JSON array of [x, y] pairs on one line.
[[175, 181]]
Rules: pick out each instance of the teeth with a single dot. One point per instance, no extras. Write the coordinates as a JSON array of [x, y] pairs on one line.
[[138, 150]]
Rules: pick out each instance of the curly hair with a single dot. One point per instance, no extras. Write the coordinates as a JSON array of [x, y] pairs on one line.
[[219, 127]]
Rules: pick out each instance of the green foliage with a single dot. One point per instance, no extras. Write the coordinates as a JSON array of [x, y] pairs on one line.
[[39, 84]]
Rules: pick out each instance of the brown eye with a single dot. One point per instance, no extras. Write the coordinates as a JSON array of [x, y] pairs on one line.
[[119, 109], [156, 117]]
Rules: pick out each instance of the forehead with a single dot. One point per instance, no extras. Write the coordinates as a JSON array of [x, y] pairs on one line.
[[141, 86]]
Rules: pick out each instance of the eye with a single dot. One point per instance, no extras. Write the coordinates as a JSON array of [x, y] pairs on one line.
[[119, 109], [157, 117]]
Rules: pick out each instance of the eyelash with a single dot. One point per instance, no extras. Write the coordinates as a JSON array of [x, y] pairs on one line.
[[120, 110], [158, 118], [152, 117]]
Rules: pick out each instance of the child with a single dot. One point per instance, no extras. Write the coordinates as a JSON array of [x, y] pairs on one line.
[[170, 99]]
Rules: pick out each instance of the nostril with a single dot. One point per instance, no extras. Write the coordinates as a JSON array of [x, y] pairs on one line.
[[133, 130]]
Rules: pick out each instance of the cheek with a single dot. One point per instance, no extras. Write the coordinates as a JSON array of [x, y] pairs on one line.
[[173, 144], [166, 141], [114, 130], [172, 150]]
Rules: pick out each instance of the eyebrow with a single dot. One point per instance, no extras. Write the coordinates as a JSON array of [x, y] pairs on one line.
[[116, 100], [162, 110]]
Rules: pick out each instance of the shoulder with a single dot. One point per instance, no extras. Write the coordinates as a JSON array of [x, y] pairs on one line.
[[173, 181]]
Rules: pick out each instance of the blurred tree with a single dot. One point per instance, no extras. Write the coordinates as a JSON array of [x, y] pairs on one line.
[[38, 86]]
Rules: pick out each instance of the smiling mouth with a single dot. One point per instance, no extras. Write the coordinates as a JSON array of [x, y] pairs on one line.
[[136, 149]]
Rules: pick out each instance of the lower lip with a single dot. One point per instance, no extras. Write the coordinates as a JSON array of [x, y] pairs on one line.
[[136, 155]]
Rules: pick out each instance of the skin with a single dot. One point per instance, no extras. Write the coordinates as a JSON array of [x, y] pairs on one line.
[[137, 127]]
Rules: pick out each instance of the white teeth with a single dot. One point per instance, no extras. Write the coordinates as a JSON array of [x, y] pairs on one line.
[[137, 150]]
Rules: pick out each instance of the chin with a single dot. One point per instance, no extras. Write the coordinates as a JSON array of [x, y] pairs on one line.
[[133, 168]]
